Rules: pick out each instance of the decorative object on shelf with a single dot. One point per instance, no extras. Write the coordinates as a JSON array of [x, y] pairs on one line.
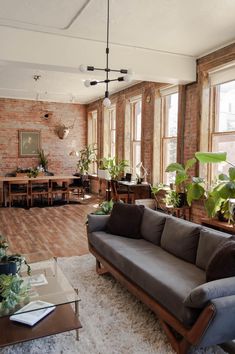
[[87, 156], [126, 78], [29, 143], [231, 219], [141, 173]]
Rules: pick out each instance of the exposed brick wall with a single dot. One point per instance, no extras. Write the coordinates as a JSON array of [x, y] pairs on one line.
[[24, 114]]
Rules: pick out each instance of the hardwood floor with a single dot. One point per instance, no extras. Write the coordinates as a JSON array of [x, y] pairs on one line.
[[41, 233]]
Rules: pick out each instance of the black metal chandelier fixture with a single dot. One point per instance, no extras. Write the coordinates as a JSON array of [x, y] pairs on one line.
[[128, 72]]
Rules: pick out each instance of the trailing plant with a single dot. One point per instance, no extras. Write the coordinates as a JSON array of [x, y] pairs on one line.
[[87, 157], [105, 208], [115, 168], [155, 189], [12, 291], [172, 199], [33, 172]]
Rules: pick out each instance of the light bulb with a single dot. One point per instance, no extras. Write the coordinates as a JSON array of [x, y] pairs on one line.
[[106, 102], [127, 78], [130, 71], [87, 83], [83, 68]]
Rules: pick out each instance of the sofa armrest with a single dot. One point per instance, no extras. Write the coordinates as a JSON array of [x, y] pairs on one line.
[[97, 222], [221, 328], [206, 292]]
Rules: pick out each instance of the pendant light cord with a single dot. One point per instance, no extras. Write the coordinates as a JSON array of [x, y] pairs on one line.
[[107, 52]]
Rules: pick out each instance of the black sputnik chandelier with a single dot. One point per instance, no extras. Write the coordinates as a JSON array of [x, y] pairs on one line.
[[128, 72]]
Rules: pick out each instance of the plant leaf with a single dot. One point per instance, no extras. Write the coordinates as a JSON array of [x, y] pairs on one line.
[[211, 157], [194, 192], [231, 172], [190, 163], [174, 167], [180, 177], [223, 177]]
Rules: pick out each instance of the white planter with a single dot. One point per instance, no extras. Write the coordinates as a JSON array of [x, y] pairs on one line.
[[104, 174]]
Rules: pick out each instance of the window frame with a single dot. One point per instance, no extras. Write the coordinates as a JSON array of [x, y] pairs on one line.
[[92, 134], [134, 142]]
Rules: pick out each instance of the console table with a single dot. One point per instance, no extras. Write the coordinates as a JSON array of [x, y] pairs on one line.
[[218, 225]]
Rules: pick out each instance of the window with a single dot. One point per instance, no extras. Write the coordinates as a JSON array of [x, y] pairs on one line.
[[169, 113], [92, 135], [136, 117], [110, 132], [222, 135], [132, 136]]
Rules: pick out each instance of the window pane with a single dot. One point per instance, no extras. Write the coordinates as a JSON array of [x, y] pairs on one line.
[[169, 156], [137, 121], [225, 142], [226, 107], [171, 115]]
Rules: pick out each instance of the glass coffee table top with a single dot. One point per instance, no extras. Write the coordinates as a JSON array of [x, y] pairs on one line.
[[48, 284]]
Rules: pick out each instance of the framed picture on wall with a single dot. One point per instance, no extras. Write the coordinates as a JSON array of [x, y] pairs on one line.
[[29, 143]]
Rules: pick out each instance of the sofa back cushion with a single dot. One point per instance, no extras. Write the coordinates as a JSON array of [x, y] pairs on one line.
[[152, 225], [208, 243], [125, 220], [222, 262], [181, 238]]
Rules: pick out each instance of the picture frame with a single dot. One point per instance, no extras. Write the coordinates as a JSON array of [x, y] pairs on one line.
[[29, 143]]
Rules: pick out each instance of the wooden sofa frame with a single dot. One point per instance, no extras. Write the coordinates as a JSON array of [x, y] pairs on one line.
[[188, 335]]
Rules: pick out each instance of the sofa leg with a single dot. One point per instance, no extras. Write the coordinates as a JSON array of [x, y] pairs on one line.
[[100, 269], [181, 346]]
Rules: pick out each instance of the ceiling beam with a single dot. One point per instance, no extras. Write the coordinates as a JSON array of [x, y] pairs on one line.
[[67, 53]]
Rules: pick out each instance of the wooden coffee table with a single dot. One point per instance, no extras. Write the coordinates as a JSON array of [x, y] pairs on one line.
[[57, 291]]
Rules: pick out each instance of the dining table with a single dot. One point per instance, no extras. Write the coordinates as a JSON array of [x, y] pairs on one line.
[[4, 181]]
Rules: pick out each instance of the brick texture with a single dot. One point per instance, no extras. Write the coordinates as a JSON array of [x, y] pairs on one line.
[[28, 115]]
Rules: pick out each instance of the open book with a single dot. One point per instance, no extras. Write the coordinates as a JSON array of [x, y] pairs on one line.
[[41, 309]]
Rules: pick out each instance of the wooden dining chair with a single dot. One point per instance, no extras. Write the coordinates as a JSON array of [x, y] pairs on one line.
[[76, 188], [39, 188], [121, 194], [59, 187], [18, 189]]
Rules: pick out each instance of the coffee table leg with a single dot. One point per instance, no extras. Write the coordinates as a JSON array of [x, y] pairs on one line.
[[77, 312]]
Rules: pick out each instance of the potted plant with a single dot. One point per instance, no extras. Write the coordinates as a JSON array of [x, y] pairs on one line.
[[43, 159], [159, 192], [223, 190], [10, 264], [87, 157], [172, 199], [114, 167], [12, 292], [12, 288], [104, 208]]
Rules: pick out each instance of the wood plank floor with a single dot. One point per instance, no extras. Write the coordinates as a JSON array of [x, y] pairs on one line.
[[41, 233]]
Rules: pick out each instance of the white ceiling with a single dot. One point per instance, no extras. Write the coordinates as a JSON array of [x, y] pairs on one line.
[[152, 36]]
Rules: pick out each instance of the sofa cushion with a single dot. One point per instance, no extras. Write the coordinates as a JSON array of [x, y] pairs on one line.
[[222, 262], [125, 220], [163, 276], [208, 243], [180, 238], [202, 294], [152, 225]]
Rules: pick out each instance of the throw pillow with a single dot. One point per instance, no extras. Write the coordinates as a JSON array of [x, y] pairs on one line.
[[180, 237], [222, 262], [125, 220]]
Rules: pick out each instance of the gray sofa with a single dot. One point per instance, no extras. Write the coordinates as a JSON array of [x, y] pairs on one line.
[[165, 268]]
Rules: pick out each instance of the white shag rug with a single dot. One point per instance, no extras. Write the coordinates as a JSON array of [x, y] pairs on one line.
[[114, 321]]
